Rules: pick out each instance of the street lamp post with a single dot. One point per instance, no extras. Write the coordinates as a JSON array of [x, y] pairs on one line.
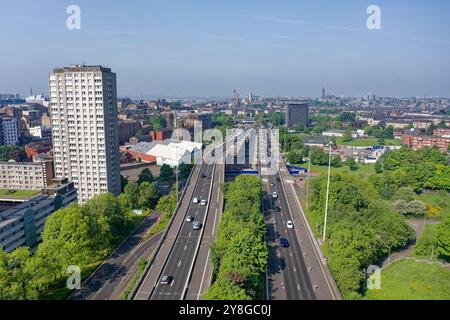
[[326, 200], [307, 181], [176, 175]]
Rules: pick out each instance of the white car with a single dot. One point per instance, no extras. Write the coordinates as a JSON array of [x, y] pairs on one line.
[[275, 195], [195, 200], [289, 224], [203, 203]]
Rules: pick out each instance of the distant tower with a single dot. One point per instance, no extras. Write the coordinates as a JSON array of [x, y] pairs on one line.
[[323, 93], [237, 98]]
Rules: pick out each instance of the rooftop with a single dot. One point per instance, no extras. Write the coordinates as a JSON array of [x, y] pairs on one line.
[[17, 194], [81, 68]]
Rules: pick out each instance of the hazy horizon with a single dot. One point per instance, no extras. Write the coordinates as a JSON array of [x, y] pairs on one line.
[[200, 48]]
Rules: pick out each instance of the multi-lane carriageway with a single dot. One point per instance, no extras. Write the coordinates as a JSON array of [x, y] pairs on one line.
[[184, 249], [294, 273]]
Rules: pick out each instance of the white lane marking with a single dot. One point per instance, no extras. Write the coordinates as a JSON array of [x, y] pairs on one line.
[[298, 287], [185, 247], [203, 276], [196, 212], [172, 283], [190, 233], [295, 270], [179, 263], [214, 225], [290, 253]]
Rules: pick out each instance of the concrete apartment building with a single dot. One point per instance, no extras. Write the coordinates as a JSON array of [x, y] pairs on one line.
[[25, 175], [83, 102], [297, 113], [9, 131], [22, 220]]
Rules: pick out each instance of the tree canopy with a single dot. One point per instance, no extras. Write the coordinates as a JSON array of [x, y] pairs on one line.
[[240, 252]]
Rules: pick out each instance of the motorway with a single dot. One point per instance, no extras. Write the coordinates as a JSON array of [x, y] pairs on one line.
[[180, 260], [295, 272], [185, 252]]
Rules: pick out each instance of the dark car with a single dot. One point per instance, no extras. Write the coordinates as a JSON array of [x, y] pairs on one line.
[[277, 209], [278, 180], [284, 243], [166, 280], [203, 175]]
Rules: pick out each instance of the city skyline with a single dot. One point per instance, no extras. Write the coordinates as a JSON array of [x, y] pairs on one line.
[[175, 48]]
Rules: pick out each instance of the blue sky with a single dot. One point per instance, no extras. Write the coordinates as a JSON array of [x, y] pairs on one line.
[[210, 47]]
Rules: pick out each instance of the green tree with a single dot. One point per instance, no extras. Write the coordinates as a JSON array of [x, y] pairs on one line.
[[347, 117], [185, 170], [336, 162], [166, 172], [20, 276], [294, 157], [319, 157], [167, 204], [123, 183], [225, 289], [107, 216], [443, 238], [405, 193], [298, 127], [157, 122], [351, 163], [130, 198], [427, 241], [12, 153], [148, 195], [4, 276], [378, 167], [145, 176]]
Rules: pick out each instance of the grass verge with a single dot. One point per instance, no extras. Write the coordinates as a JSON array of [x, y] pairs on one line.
[[410, 280]]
